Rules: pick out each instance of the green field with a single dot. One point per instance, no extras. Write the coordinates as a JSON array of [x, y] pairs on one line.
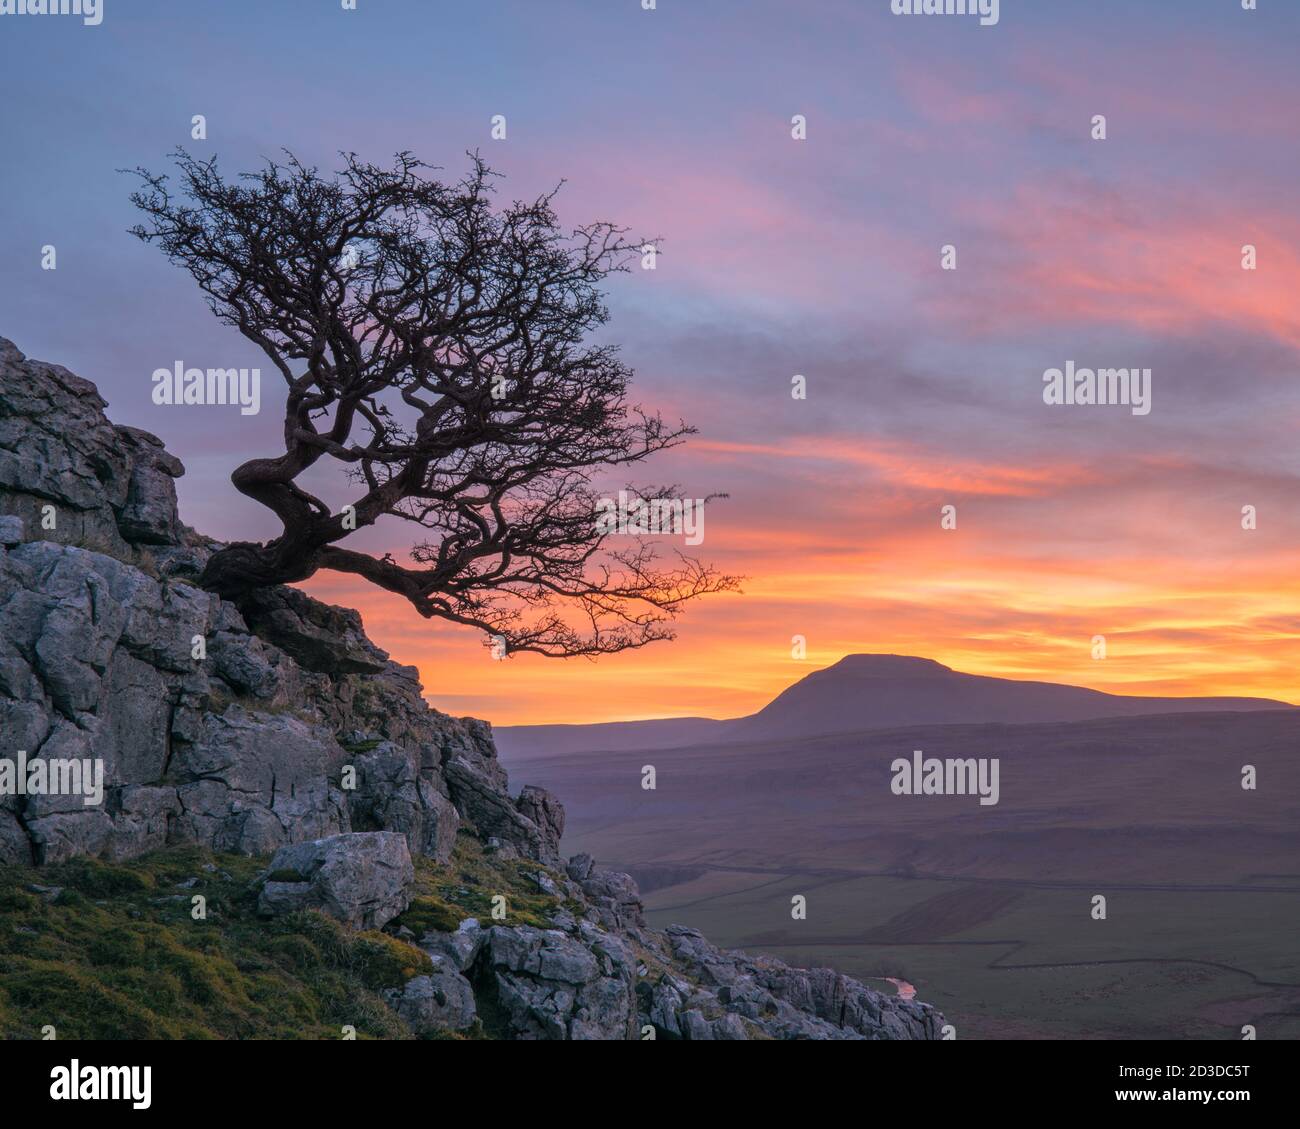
[[1008, 961]]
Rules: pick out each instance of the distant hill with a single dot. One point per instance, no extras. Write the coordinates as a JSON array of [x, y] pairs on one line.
[[862, 692], [888, 691], [524, 741]]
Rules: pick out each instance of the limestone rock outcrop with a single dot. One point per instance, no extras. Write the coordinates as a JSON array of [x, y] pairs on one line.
[[274, 726], [233, 727]]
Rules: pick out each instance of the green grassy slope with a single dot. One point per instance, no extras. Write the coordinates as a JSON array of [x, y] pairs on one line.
[[117, 954]]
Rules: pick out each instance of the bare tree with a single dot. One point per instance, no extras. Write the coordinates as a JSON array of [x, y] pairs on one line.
[[438, 346]]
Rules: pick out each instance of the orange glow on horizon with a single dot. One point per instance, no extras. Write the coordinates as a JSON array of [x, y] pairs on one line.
[[1196, 632]]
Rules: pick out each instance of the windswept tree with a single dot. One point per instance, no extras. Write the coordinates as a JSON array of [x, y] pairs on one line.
[[439, 346]]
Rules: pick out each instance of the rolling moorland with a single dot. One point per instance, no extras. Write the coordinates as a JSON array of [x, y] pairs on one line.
[[986, 910]]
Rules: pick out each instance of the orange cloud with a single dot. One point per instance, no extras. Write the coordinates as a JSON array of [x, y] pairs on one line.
[[898, 464]]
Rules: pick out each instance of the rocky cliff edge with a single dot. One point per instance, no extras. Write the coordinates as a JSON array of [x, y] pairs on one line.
[[274, 727]]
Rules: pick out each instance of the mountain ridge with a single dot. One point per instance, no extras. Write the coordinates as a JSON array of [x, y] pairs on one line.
[[867, 691]]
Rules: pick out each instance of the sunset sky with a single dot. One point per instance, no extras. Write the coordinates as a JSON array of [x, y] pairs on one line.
[[817, 257]]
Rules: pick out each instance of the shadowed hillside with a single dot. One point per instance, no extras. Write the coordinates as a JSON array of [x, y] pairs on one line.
[[987, 909]]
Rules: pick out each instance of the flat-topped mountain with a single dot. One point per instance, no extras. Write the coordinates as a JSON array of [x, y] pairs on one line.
[[887, 691], [863, 692]]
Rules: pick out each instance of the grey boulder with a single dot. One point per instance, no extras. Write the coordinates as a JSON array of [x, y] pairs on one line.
[[363, 878], [441, 1001]]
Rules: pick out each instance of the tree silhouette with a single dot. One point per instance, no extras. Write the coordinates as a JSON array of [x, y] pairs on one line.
[[438, 346]]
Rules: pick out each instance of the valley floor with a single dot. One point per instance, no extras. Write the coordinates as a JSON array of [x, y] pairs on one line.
[[1012, 961]]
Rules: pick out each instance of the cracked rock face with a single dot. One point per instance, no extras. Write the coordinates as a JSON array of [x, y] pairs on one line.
[[600, 973], [275, 727], [239, 728], [111, 486], [553, 985]]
